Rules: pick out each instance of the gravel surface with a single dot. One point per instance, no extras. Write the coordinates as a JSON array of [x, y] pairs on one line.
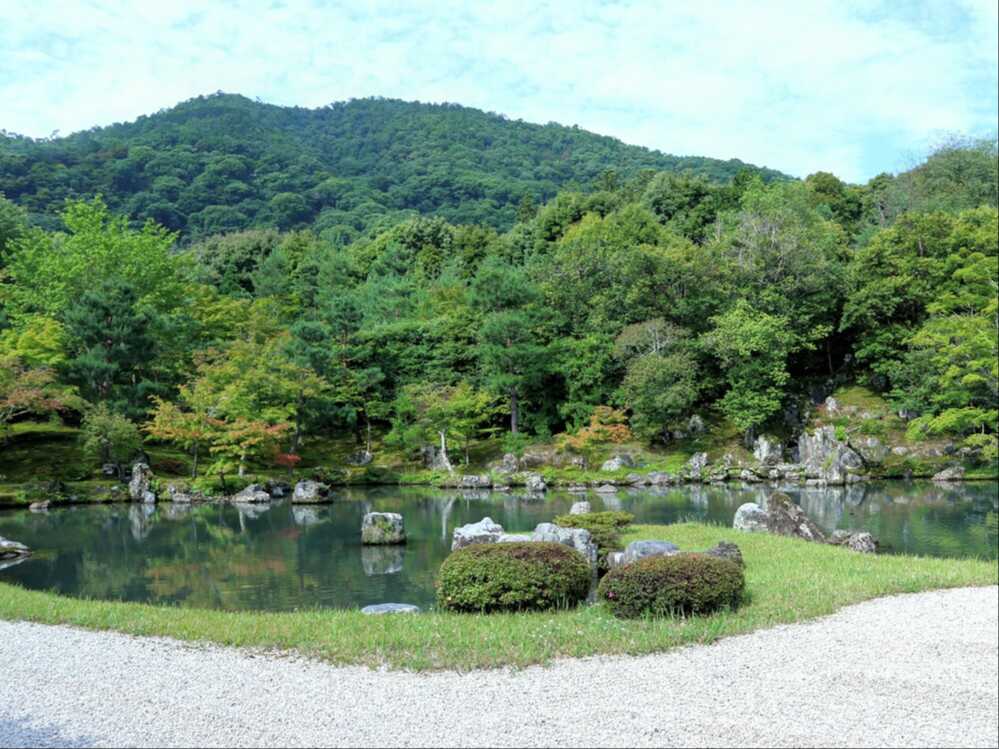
[[916, 670]]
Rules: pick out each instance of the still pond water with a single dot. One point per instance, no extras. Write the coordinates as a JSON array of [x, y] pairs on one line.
[[285, 557]]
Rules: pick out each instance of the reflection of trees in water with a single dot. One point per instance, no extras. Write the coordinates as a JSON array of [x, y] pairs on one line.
[[293, 556]]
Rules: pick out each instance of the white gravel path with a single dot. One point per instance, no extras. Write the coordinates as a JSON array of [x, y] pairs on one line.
[[917, 670]]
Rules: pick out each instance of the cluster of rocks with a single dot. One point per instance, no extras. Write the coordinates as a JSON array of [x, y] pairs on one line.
[[641, 549], [781, 516], [533, 483], [487, 531]]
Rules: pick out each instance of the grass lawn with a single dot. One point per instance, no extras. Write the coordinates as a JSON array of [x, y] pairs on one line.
[[787, 581]]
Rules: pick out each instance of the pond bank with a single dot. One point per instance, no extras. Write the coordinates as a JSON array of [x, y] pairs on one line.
[[914, 670]]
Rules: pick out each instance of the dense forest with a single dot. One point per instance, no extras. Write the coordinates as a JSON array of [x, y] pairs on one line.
[[225, 163], [253, 277]]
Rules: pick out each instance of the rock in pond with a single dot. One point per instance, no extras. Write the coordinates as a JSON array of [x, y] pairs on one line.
[[309, 492], [379, 528], [139, 485], [39, 506], [252, 493], [483, 532], [13, 549], [380, 609], [825, 457], [471, 481], [750, 517], [952, 473], [535, 483], [580, 508]]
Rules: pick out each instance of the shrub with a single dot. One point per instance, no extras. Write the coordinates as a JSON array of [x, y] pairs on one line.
[[604, 527], [607, 425], [681, 584], [512, 577]]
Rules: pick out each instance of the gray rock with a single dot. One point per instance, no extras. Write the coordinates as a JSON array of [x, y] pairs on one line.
[[278, 489], [435, 459], [380, 609], [871, 449], [768, 450], [576, 538], [360, 458], [252, 493], [13, 549], [696, 465], [641, 549], [832, 406], [476, 482], [534, 482], [859, 541], [382, 560], [580, 508], [139, 486], [750, 517], [825, 457], [514, 538], [660, 478], [307, 492], [379, 528], [951, 473], [508, 464], [615, 559], [617, 462], [749, 477], [695, 425], [39, 506], [900, 450], [483, 532], [726, 550], [606, 489]]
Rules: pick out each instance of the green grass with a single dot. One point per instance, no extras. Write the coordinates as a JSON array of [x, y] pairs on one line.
[[787, 581]]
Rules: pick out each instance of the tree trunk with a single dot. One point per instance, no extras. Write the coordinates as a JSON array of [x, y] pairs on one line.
[[194, 467], [367, 442], [514, 414], [296, 441], [242, 465]]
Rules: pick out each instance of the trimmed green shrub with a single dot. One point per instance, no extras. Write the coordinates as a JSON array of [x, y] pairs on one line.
[[604, 527], [664, 586], [512, 577]]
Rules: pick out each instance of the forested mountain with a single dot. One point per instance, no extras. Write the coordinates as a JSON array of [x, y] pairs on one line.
[[630, 302], [224, 162]]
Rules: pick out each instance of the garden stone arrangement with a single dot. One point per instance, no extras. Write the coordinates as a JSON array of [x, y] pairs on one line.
[[783, 517]]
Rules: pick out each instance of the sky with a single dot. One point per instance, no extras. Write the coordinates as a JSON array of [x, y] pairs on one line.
[[856, 87]]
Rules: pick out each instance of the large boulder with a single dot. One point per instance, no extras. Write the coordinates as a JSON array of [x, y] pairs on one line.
[[779, 516], [826, 458], [617, 462], [871, 449], [483, 532], [580, 508], [508, 464], [641, 549], [696, 465], [310, 492], [436, 459], [860, 541], [13, 549], [576, 538], [768, 450], [952, 473], [381, 528], [252, 493], [476, 482], [750, 517], [139, 487], [278, 489], [534, 483]]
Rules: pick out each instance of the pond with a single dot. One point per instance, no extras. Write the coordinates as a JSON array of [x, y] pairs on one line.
[[286, 557]]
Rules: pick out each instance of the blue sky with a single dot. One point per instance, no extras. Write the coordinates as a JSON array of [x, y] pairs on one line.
[[856, 87]]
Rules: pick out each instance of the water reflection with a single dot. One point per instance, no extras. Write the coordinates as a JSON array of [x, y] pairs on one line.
[[282, 556]]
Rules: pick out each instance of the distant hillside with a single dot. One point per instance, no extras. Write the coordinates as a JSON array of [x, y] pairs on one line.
[[223, 162]]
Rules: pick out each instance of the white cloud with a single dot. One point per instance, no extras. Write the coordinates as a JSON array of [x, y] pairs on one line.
[[847, 87]]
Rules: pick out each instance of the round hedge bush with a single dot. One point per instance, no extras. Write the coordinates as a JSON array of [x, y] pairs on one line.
[[512, 577], [680, 584]]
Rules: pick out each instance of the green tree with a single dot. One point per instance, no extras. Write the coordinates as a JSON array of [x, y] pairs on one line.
[[109, 437]]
